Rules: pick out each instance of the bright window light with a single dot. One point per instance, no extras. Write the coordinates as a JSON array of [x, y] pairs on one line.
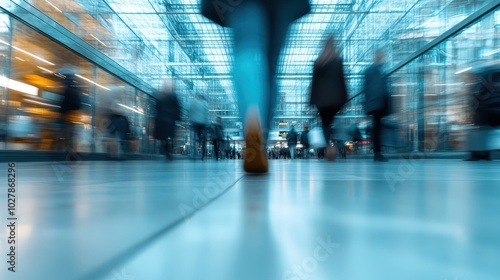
[[18, 86]]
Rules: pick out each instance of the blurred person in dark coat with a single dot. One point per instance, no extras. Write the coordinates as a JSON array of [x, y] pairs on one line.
[[356, 137], [291, 138], [168, 111], [377, 100], [304, 140], [485, 111], [115, 123], [70, 105], [227, 147], [259, 29], [328, 88], [198, 113], [218, 137]]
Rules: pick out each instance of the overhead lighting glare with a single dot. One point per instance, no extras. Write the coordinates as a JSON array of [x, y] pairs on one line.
[[98, 40], [35, 56], [463, 70], [18, 86], [492, 52], [92, 82], [404, 84], [53, 6], [427, 22], [452, 84], [45, 69], [40, 103], [130, 108], [18, 58], [28, 53]]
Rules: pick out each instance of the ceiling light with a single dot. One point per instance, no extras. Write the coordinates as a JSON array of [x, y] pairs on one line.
[[492, 52], [98, 40], [90, 81], [463, 70], [18, 86], [53, 6], [41, 103], [45, 69], [28, 53], [130, 108]]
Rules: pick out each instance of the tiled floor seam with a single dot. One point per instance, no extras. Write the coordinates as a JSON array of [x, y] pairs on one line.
[[121, 258]]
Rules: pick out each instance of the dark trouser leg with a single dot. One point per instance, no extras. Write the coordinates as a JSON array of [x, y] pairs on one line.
[[278, 29], [199, 131], [217, 149], [376, 134], [168, 147], [327, 115], [203, 142], [68, 135]]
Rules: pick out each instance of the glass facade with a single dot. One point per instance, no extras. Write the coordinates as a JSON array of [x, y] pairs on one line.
[[127, 48], [32, 91]]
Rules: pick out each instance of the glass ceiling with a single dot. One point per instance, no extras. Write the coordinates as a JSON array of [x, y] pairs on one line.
[[176, 40]]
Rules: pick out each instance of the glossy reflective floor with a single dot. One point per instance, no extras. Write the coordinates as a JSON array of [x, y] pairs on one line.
[[306, 219]]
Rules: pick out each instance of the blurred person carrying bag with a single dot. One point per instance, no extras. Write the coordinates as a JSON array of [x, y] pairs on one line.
[[317, 140], [328, 90], [486, 113], [486, 97], [316, 137]]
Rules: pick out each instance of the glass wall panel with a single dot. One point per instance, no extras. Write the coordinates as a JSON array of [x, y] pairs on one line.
[[97, 24], [31, 90], [34, 90], [431, 95], [159, 39]]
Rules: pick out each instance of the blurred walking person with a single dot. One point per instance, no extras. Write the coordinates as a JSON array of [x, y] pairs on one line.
[[168, 111], [198, 113], [71, 104], [259, 28], [356, 137], [291, 138], [485, 94], [115, 124], [304, 140], [218, 137], [227, 147], [377, 100], [328, 88]]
